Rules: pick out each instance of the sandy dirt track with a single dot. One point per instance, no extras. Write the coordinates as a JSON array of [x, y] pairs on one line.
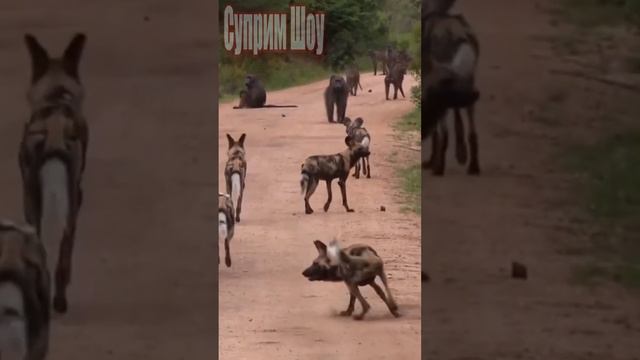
[[268, 310], [475, 226], [144, 265]]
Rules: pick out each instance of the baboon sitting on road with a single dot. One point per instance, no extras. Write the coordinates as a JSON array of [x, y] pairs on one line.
[[254, 95]]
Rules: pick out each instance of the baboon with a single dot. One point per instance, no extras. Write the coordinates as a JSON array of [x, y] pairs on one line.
[[395, 77], [328, 168], [356, 265], [52, 153], [359, 135], [451, 51], [335, 96], [380, 56], [25, 287], [254, 95], [353, 80], [397, 56]]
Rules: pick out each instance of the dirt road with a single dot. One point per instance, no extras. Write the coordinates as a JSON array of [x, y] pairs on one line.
[[144, 265], [268, 310], [515, 211]]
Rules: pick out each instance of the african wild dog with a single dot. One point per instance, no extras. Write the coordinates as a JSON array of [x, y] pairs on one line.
[[356, 265], [451, 51], [235, 172], [359, 135], [327, 168], [24, 293], [52, 154], [226, 224]]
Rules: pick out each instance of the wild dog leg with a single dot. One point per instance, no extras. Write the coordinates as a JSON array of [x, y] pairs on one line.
[[356, 173], [227, 254], [368, 168], [63, 270], [352, 303], [311, 188], [329, 196], [393, 308], [461, 145], [353, 289], [474, 168], [343, 190], [441, 156]]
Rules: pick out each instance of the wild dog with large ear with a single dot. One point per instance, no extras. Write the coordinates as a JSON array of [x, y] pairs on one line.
[[357, 265], [24, 294], [52, 154], [235, 172]]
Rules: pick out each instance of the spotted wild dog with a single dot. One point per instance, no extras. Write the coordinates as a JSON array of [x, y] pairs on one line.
[[24, 293], [52, 154], [328, 168], [226, 224], [235, 172], [451, 52], [361, 136], [356, 265]]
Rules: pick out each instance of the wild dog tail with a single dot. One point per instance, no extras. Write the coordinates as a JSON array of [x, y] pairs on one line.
[[383, 277], [54, 180], [236, 186], [366, 142], [304, 183], [464, 61], [13, 322], [223, 227]]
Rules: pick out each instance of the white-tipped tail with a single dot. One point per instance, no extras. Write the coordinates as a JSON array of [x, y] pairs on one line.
[[333, 253], [366, 141], [235, 188], [223, 229], [13, 327], [304, 183], [464, 62], [55, 203]]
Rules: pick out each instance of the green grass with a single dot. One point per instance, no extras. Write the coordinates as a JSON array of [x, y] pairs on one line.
[[594, 13], [410, 122], [611, 170], [412, 187]]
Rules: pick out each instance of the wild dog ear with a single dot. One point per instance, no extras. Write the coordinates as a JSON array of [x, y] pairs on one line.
[[73, 54], [358, 122], [347, 121], [241, 140], [347, 140], [39, 57], [231, 141], [322, 248], [344, 258]]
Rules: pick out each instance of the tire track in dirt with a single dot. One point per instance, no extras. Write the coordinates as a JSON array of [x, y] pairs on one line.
[[476, 226], [267, 308]]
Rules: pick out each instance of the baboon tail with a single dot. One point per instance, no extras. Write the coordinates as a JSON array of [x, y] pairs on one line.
[[304, 183], [281, 106], [223, 228], [359, 85]]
